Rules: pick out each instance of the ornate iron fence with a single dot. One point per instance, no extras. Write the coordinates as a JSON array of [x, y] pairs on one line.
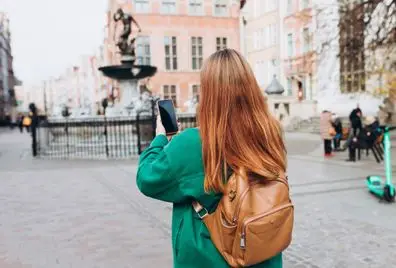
[[99, 138]]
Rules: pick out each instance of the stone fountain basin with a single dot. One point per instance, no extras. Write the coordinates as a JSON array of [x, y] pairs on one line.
[[128, 71]]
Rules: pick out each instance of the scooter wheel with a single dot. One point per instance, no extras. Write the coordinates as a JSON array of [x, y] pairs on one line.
[[387, 194]]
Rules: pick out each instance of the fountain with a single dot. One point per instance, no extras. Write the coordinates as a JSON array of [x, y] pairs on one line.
[[127, 73]]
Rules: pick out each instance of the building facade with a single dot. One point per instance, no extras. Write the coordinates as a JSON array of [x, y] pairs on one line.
[[278, 41], [177, 36], [7, 79], [261, 20], [297, 50]]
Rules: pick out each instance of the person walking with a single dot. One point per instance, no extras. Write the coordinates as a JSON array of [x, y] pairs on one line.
[[236, 131], [326, 130]]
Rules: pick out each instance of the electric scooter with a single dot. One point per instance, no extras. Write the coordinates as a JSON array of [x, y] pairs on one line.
[[384, 189]]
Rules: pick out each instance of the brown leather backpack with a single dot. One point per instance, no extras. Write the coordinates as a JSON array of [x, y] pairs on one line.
[[252, 222]]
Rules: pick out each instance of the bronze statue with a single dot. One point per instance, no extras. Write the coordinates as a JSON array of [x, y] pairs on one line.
[[127, 20]]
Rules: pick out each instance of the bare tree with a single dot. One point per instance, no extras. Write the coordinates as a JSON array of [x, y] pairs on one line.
[[365, 38]]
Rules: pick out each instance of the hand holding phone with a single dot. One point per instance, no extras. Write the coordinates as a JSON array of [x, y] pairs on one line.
[[168, 118]]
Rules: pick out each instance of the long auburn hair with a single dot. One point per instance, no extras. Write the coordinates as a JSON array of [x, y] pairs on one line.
[[235, 124]]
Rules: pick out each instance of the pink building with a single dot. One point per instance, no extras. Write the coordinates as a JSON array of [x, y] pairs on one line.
[[299, 57], [177, 36]]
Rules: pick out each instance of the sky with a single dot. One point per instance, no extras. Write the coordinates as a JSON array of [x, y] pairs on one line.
[[48, 36]]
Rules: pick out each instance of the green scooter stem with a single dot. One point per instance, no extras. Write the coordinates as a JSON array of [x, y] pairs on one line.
[[388, 157]]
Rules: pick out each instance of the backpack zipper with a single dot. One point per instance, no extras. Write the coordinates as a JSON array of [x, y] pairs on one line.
[[239, 204], [245, 223]]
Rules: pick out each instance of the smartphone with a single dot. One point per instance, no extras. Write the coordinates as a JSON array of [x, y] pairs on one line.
[[168, 116]]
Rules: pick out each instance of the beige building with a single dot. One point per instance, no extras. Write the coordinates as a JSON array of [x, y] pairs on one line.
[[261, 22], [278, 42], [177, 36]]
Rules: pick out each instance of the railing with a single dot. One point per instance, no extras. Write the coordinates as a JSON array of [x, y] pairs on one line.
[[99, 138]]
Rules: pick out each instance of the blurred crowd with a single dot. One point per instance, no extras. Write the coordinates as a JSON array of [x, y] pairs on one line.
[[361, 132]]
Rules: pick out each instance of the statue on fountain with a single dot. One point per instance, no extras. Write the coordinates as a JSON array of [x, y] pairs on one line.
[[126, 47], [127, 74]]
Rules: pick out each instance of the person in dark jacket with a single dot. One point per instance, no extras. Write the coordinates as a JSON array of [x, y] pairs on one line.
[[356, 120], [337, 124], [365, 139]]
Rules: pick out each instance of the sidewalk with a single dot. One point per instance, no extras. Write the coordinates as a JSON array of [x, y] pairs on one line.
[[91, 214]]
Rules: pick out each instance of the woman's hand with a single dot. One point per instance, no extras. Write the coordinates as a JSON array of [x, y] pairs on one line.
[[160, 127], [161, 130]]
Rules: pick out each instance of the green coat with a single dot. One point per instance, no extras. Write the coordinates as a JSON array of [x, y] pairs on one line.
[[173, 172]]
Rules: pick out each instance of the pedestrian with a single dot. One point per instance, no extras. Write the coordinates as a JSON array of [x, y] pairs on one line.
[[327, 132], [337, 125], [236, 131], [20, 122], [386, 112], [355, 118]]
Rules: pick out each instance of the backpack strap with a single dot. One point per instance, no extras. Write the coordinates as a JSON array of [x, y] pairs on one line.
[[200, 210]]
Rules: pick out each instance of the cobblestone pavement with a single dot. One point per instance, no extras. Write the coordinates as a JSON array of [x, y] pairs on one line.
[[90, 213]]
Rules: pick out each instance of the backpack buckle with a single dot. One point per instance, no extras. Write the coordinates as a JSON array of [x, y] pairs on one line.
[[201, 211]]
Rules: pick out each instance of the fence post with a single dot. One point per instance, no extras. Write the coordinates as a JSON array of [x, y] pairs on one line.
[[104, 105], [153, 117], [105, 134], [33, 125], [67, 136], [138, 133]]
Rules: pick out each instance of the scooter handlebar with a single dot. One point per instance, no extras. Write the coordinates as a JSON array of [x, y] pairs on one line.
[[391, 128]]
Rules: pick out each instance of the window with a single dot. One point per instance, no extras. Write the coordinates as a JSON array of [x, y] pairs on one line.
[[197, 52], [195, 7], [271, 5], [289, 87], [256, 8], [221, 43], [260, 71], [143, 54], [306, 41], [220, 7], [255, 40], [142, 6], [289, 6], [273, 34], [168, 7], [272, 69], [170, 53], [304, 4], [290, 45], [195, 92], [170, 93], [263, 38]]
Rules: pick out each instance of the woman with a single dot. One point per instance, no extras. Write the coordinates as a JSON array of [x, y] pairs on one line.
[[325, 132], [235, 131]]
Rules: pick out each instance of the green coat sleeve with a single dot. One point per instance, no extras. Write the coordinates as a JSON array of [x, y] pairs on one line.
[[164, 172]]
